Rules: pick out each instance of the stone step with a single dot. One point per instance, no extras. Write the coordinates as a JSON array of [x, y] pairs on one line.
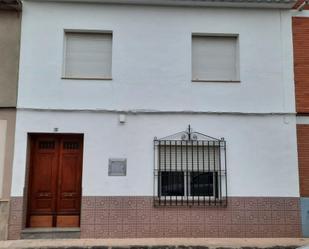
[[50, 233]]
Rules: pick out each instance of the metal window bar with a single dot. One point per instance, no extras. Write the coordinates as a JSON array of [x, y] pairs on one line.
[[190, 169]]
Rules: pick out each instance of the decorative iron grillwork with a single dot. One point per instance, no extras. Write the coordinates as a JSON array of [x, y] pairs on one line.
[[190, 169]]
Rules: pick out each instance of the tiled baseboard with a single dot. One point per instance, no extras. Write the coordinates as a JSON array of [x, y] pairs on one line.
[[136, 217]]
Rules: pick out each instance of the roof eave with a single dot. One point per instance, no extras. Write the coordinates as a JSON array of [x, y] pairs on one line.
[[270, 4]]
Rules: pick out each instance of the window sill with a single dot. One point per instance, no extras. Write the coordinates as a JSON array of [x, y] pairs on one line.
[[218, 81], [190, 198], [219, 202], [81, 78]]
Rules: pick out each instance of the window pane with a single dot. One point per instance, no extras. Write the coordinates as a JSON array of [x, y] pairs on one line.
[[202, 184], [214, 58], [172, 184], [88, 55]]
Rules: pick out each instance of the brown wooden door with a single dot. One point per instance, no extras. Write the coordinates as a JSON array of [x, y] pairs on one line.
[[54, 197]]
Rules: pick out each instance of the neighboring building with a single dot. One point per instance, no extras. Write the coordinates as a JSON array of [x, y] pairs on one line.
[[105, 89], [301, 76], [10, 18]]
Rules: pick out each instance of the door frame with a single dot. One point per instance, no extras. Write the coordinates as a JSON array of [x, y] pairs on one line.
[[29, 170]]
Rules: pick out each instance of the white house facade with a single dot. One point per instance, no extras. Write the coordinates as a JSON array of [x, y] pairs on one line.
[[154, 119]]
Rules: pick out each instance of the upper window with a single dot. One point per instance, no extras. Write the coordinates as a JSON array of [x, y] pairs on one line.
[[214, 58], [88, 55]]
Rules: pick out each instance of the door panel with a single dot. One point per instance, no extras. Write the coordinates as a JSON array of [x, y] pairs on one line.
[[41, 221], [43, 172], [55, 180], [69, 176], [67, 220]]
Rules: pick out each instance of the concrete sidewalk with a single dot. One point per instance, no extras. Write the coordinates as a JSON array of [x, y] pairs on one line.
[[158, 243]]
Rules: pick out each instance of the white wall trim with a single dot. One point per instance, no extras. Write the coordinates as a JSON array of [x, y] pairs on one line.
[[302, 120], [303, 13], [207, 3], [152, 111]]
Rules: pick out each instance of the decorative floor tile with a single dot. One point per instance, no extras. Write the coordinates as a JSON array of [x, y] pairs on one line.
[[277, 217], [277, 204], [87, 231], [251, 203], [88, 202], [116, 216], [170, 216], [236, 204], [102, 217], [171, 230], [102, 202], [130, 216], [115, 230], [87, 217], [143, 216], [265, 217], [14, 232], [292, 217], [252, 231], [238, 217], [144, 203], [292, 204], [264, 203], [211, 231], [101, 231], [252, 217], [15, 218], [16, 203], [211, 217], [129, 203], [197, 230], [225, 217], [143, 230], [129, 230], [197, 216], [116, 202]]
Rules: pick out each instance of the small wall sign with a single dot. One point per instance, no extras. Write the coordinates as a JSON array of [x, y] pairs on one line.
[[117, 167]]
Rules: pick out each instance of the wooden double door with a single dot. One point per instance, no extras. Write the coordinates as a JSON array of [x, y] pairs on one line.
[[55, 175]]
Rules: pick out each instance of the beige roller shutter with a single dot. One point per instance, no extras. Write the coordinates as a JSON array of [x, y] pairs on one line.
[[88, 55], [214, 58]]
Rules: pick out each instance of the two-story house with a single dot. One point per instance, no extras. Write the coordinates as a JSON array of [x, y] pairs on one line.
[[10, 18], [156, 118]]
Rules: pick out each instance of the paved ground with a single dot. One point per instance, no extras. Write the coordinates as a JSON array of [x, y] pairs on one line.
[[154, 243]]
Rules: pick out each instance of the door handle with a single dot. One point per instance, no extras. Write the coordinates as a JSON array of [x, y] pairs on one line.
[[68, 194], [44, 194]]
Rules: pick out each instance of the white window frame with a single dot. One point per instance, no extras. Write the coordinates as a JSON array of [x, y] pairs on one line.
[[85, 31], [237, 65]]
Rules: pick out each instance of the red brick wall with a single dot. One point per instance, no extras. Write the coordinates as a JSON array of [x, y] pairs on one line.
[[298, 3], [301, 62], [303, 158]]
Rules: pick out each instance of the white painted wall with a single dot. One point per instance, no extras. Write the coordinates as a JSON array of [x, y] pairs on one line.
[[303, 13], [151, 66], [3, 128], [261, 152], [302, 120]]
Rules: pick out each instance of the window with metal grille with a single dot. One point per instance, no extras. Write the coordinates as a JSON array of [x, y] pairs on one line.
[[190, 169]]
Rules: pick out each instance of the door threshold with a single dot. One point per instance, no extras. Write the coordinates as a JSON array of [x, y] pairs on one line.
[[51, 233]]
